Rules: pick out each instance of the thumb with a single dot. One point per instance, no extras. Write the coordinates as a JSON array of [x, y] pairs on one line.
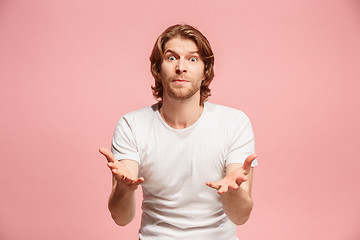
[[107, 153], [248, 162]]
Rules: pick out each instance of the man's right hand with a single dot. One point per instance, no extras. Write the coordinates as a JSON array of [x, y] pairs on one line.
[[120, 172]]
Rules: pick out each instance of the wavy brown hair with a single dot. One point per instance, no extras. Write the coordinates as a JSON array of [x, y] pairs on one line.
[[186, 32]]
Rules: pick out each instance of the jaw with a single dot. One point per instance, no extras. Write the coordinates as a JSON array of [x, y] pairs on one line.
[[181, 92]]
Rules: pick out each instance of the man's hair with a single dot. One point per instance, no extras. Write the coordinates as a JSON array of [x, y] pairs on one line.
[[186, 32]]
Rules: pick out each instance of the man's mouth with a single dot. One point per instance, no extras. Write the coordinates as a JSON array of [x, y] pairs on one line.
[[180, 80]]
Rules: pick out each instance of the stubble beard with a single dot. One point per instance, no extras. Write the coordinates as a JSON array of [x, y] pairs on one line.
[[181, 93]]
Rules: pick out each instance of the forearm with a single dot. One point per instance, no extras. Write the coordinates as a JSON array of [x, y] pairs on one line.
[[122, 205], [237, 205]]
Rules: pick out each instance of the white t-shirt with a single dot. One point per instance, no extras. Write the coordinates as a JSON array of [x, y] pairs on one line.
[[176, 164]]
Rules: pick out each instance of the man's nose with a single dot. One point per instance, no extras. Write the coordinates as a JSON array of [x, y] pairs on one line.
[[180, 67]]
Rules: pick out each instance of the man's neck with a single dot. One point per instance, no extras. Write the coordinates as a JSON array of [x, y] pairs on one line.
[[181, 114]]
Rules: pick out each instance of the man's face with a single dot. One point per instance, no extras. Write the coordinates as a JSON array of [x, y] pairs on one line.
[[182, 69]]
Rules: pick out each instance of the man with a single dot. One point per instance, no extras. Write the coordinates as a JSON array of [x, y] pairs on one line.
[[193, 159]]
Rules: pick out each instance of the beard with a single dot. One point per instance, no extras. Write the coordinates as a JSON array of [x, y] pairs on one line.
[[180, 93]]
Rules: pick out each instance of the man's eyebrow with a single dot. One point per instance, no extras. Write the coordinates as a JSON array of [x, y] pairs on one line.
[[174, 52], [169, 50], [194, 52]]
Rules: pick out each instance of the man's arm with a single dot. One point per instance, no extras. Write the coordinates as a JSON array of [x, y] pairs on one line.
[[122, 201], [235, 190]]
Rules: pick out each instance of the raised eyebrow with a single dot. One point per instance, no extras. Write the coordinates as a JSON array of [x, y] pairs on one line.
[[194, 53], [189, 53], [170, 51]]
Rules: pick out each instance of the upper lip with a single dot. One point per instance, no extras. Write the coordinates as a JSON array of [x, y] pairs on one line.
[[180, 79]]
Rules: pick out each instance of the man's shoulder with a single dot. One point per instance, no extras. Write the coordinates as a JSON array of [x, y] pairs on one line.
[[139, 117]]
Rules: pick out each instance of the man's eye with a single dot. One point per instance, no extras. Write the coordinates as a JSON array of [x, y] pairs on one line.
[[193, 59], [172, 58]]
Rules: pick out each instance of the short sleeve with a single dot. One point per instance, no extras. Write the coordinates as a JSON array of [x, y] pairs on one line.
[[124, 143], [241, 141]]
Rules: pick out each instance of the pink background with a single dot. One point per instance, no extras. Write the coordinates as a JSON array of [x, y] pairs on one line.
[[70, 69]]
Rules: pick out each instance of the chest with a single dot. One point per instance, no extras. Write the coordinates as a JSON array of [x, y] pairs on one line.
[[182, 158]]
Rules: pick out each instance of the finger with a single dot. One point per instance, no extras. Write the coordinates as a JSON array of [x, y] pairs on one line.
[[241, 179], [234, 186], [223, 189], [107, 153], [213, 185], [128, 180], [248, 162], [118, 176], [116, 172], [138, 181], [111, 165]]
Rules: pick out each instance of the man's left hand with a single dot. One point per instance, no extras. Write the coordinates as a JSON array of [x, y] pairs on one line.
[[233, 179]]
